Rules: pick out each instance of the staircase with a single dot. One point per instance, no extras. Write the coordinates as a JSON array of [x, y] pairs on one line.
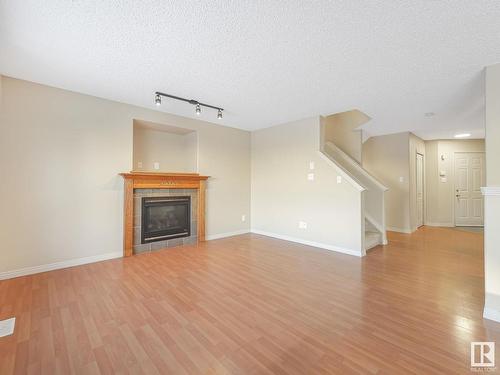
[[373, 237], [341, 127]]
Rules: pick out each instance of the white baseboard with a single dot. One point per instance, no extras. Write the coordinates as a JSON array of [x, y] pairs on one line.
[[306, 242], [98, 258], [228, 234], [399, 230], [446, 225], [58, 265], [491, 314], [92, 259], [492, 306]]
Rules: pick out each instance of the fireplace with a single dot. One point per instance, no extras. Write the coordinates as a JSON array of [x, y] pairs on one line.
[[165, 218], [138, 185]]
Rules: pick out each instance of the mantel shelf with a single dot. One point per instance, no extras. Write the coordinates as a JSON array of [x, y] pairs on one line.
[[161, 175]]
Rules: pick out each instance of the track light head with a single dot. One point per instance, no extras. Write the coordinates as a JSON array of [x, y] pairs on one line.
[[158, 99], [198, 109], [219, 114]]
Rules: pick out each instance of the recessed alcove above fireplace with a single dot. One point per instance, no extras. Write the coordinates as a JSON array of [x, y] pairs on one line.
[[161, 147], [171, 205]]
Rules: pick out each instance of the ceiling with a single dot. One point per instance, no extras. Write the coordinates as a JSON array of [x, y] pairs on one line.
[[266, 62]]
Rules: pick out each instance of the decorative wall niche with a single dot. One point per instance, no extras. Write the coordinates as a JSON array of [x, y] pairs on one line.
[[161, 148]]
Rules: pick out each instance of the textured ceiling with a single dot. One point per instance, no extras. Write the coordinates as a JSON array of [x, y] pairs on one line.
[[266, 62]]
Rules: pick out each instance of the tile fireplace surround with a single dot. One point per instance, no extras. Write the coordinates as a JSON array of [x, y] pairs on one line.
[[149, 193], [148, 184]]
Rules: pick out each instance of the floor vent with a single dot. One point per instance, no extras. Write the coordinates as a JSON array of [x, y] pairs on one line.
[[7, 327]]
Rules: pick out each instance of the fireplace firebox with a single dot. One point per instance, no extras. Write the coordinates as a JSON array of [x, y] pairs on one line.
[[165, 218]]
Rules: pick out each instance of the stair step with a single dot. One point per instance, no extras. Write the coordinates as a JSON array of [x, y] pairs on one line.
[[372, 239], [369, 227]]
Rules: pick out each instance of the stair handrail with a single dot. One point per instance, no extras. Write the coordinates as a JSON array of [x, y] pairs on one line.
[[342, 171], [356, 165]]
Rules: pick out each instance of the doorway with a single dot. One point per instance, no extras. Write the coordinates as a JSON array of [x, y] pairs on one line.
[[420, 190], [469, 177]]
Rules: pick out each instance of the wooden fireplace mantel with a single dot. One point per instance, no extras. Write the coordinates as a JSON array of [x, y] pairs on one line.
[[151, 180]]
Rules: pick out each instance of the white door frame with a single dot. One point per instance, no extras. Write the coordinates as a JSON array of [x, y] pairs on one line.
[[423, 188], [453, 206]]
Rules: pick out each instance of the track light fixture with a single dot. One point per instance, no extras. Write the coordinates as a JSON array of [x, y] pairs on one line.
[[196, 103]]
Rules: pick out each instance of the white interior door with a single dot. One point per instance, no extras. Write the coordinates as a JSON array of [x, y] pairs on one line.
[[420, 190], [469, 177]]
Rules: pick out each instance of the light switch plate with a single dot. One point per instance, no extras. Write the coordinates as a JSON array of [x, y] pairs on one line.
[[243, 218], [311, 165], [401, 179], [7, 327], [156, 165], [302, 225], [339, 179], [310, 176]]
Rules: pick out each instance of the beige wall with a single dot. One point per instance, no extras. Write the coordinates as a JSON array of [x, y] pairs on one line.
[[340, 129], [440, 194], [60, 153], [174, 152], [492, 202], [282, 196], [386, 158]]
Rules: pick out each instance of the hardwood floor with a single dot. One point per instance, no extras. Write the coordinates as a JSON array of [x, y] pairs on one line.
[[252, 304]]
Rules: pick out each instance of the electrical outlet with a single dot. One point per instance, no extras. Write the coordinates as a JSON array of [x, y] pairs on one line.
[[302, 225], [339, 179], [156, 165], [243, 218], [139, 164], [310, 176]]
